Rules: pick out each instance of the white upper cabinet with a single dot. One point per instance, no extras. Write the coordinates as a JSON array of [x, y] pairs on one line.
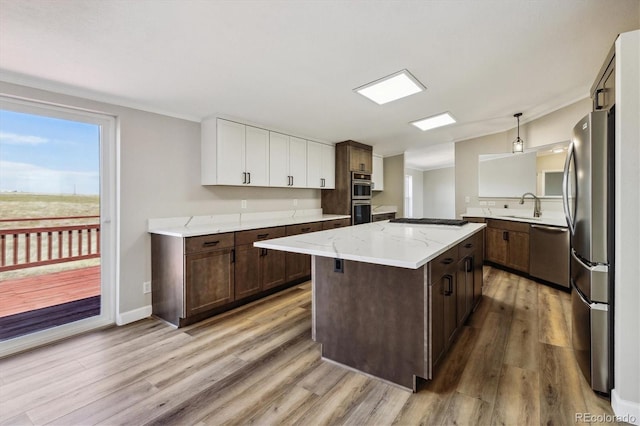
[[377, 175], [321, 165], [238, 154], [234, 154], [287, 161], [257, 156]]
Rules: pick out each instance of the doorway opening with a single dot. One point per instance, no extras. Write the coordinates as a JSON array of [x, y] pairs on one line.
[[56, 233]]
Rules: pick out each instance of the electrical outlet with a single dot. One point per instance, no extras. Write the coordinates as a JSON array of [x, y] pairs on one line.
[[295, 202], [243, 204], [146, 287], [492, 203], [483, 203]]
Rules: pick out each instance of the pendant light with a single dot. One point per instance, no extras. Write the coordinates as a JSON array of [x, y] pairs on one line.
[[518, 144]]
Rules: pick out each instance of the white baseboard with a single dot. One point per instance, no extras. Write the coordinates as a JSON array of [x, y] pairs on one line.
[[628, 411], [133, 316]]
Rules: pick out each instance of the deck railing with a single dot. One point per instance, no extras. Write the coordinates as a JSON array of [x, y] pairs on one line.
[[46, 245]]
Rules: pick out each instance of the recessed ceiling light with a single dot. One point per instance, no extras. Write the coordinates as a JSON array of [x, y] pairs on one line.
[[435, 121], [391, 87], [558, 150]]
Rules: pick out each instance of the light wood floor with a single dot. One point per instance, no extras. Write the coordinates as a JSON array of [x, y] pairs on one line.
[[510, 365]]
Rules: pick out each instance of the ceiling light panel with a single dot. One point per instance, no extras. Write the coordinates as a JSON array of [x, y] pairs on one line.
[[439, 120], [391, 87]]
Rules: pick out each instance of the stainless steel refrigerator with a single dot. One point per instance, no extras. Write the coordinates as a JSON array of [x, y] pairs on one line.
[[588, 201]]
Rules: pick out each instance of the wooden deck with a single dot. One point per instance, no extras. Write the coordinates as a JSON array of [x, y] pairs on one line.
[[43, 291]]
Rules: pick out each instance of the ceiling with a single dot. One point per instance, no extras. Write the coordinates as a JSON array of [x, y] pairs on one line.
[[293, 65]]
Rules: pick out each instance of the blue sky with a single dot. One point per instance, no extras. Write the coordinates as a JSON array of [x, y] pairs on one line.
[[48, 155]]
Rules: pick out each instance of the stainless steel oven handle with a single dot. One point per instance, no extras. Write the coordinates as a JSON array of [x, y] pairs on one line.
[[591, 268]]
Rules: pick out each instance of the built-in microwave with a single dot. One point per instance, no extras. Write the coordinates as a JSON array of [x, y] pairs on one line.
[[360, 186]]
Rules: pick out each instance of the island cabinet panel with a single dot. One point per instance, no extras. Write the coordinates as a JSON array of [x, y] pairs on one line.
[[444, 318], [508, 244], [390, 322], [469, 275], [298, 266], [372, 317]]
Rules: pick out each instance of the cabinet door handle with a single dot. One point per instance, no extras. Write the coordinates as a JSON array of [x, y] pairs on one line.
[[244, 177], [263, 252], [447, 261], [449, 290], [262, 236], [321, 182], [210, 243], [306, 229], [469, 264], [505, 235], [249, 182], [468, 245]]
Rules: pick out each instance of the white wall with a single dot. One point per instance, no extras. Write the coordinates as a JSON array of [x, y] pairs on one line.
[[418, 191], [551, 128], [625, 397], [393, 194], [439, 193], [160, 177]]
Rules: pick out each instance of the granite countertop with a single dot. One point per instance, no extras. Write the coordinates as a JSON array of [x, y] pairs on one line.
[[550, 218], [193, 226], [382, 243]]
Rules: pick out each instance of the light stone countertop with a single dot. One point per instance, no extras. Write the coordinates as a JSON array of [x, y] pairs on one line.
[[383, 209], [193, 226], [382, 243], [550, 218]]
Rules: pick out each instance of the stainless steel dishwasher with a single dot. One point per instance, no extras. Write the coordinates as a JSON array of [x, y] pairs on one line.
[[549, 254]]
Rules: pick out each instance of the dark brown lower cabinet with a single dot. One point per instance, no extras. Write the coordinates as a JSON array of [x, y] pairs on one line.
[[209, 280], [298, 266], [444, 304], [258, 269], [508, 244], [191, 275], [197, 277]]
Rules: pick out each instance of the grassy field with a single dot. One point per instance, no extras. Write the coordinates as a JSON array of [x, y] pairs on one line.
[[20, 206]]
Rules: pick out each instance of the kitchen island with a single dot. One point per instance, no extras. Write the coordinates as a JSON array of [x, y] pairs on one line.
[[387, 297]]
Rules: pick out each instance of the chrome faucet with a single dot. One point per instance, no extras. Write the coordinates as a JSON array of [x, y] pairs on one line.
[[536, 206]]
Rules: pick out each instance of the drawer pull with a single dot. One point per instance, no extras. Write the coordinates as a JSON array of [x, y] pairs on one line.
[[447, 261], [468, 245], [306, 229], [336, 225], [449, 290], [210, 243], [262, 236]]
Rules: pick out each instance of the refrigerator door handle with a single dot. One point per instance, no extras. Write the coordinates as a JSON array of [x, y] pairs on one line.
[[592, 268], [565, 188]]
